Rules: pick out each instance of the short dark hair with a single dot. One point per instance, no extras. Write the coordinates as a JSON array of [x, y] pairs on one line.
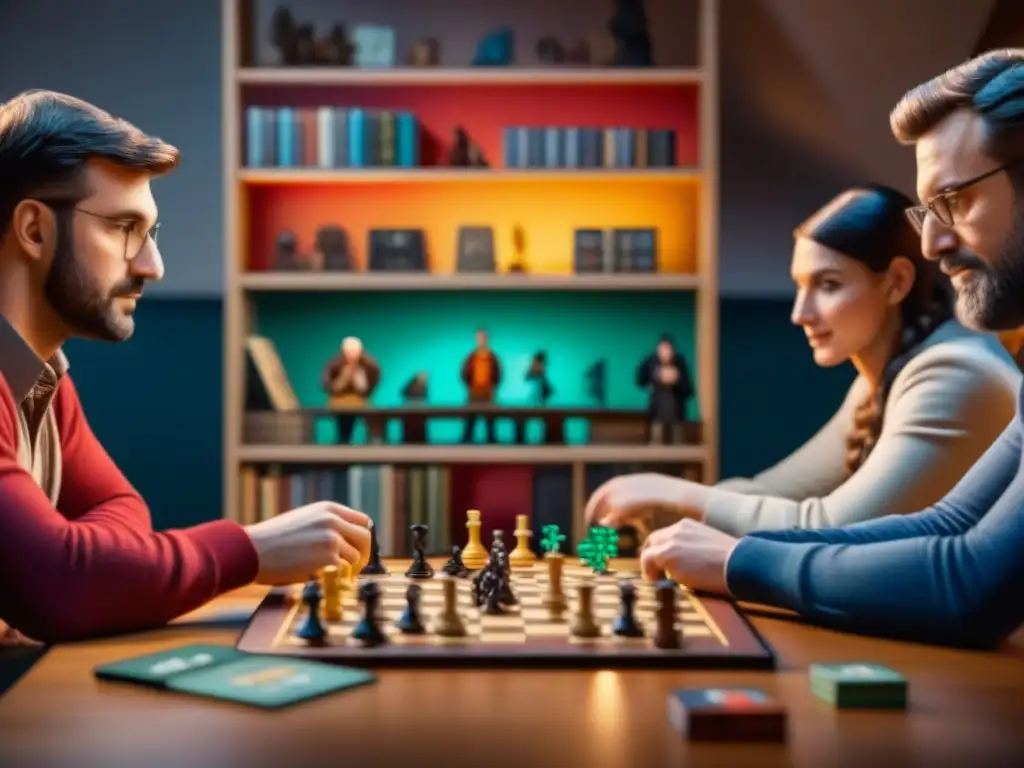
[[992, 85], [46, 139]]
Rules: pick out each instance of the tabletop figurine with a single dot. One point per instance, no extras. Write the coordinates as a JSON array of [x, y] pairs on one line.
[[537, 373], [481, 373], [667, 375], [350, 378]]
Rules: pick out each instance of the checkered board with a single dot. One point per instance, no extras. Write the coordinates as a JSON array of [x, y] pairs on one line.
[[715, 633]]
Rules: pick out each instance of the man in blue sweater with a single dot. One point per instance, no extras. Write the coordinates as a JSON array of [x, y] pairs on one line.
[[953, 573]]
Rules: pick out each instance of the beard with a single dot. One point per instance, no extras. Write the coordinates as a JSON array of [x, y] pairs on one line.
[[78, 298], [991, 297]]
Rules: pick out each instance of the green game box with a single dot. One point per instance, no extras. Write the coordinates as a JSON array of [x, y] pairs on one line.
[[859, 685]]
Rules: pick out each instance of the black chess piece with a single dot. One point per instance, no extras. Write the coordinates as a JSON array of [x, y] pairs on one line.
[[455, 566], [505, 593], [626, 624], [374, 567], [312, 629], [368, 630], [420, 568], [666, 633], [410, 622]]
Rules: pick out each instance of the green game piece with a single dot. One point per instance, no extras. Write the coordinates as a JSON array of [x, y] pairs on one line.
[[551, 539], [859, 685], [598, 548]]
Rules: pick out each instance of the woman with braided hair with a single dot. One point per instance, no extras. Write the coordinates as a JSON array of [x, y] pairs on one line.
[[929, 399]]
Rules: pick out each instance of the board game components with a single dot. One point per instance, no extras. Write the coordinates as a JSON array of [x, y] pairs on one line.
[[374, 566], [474, 554], [410, 622], [312, 629], [583, 624], [859, 685], [625, 623], [726, 714], [554, 601], [420, 568], [331, 587], [551, 539], [600, 546], [455, 566], [368, 631], [667, 633], [492, 586], [448, 622], [522, 556]]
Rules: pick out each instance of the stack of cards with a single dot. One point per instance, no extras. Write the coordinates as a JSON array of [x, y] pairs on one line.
[[859, 685], [727, 714], [221, 672]]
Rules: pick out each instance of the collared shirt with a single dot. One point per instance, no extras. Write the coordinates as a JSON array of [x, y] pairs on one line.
[[33, 384]]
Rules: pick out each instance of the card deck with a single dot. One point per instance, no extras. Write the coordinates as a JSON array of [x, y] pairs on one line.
[[270, 683], [859, 685], [155, 669], [727, 714], [222, 672]]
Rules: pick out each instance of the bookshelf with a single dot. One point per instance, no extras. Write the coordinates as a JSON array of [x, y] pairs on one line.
[[681, 200]]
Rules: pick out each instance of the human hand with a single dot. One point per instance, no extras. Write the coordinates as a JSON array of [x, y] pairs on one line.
[[296, 544], [668, 374], [635, 499], [690, 553]]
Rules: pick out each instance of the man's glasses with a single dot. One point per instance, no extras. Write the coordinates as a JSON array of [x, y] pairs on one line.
[[941, 205], [134, 238]]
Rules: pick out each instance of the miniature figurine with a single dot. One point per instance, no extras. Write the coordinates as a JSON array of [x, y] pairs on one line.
[[666, 373], [538, 374], [350, 379], [425, 53], [481, 373], [496, 49], [550, 50], [632, 37], [415, 390], [332, 249], [286, 253], [518, 263]]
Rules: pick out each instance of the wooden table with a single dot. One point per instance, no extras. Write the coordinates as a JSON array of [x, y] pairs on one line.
[[966, 709]]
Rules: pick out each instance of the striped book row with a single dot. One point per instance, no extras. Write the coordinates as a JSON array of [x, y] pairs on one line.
[[330, 137], [575, 147], [394, 497]]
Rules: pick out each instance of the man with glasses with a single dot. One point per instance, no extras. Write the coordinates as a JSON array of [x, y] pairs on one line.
[[952, 573], [78, 554]]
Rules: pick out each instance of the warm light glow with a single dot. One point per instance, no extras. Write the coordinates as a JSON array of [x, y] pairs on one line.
[[606, 709], [547, 211]]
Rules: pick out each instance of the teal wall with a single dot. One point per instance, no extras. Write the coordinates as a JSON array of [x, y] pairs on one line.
[[155, 402]]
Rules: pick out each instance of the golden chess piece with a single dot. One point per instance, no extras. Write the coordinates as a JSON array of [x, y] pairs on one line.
[[554, 597], [330, 589], [522, 556], [474, 554]]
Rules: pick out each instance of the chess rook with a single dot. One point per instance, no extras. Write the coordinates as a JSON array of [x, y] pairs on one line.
[[666, 634]]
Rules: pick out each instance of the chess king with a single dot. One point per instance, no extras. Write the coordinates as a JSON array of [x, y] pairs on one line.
[[79, 556], [481, 373], [350, 378]]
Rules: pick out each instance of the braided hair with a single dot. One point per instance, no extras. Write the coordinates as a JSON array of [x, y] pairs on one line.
[[868, 224]]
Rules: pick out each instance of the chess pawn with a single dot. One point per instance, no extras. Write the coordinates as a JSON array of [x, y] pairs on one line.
[[522, 556], [583, 624], [554, 598], [474, 555], [448, 622], [666, 633]]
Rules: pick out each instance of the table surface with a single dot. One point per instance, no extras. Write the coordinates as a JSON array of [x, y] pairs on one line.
[[966, 709]]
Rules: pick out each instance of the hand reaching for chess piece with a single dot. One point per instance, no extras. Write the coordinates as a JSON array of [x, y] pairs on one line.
[[689, 553], [637, 499], [294, 545]]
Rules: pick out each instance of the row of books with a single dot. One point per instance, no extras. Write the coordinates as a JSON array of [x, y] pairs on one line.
[[396, 497], [615, 250], [330, 137], [583, 147]]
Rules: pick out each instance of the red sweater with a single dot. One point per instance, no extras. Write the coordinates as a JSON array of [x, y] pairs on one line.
[[94, 566]]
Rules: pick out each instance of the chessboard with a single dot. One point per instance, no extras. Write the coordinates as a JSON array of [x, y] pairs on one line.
[[713, 633]]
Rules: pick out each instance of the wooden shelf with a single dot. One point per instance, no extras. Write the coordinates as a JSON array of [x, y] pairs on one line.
[[433, 76], [470, 454], [284, 176], [362, 281]]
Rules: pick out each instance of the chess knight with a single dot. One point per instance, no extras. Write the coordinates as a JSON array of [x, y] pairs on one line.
[[667, 376], [481, 373], [350, 378]]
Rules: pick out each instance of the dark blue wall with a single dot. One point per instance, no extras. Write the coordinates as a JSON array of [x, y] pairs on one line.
[[155, 402]]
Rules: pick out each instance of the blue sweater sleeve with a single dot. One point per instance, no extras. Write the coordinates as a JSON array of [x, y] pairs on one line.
[[953, 574]]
